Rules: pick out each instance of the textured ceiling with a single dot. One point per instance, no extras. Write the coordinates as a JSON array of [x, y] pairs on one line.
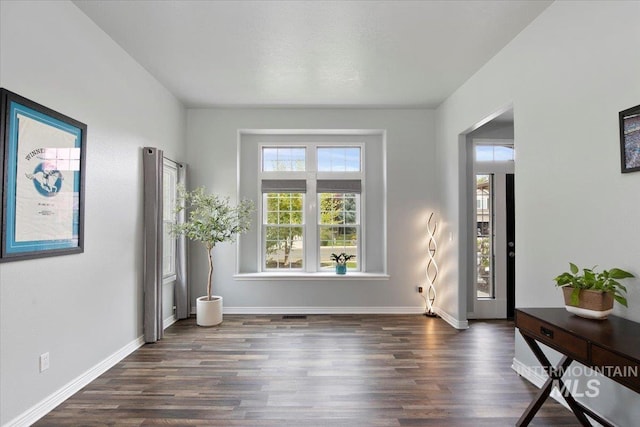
[[312, 53]]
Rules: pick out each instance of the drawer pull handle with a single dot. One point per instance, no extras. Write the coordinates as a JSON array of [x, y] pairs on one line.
[[546, 332]]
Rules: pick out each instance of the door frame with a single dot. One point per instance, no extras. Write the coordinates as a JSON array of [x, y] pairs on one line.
[[512, 245], [465, 250]]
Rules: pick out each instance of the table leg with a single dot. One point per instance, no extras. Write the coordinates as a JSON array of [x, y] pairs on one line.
[[555, 378]]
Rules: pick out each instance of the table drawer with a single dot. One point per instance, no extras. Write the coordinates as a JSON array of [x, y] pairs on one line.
[[617, 367], [553, 336]]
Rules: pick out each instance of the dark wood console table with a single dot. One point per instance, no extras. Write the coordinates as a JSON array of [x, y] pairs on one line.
[[612, 345]]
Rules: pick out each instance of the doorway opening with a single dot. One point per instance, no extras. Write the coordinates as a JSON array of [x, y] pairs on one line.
[[491, 219]]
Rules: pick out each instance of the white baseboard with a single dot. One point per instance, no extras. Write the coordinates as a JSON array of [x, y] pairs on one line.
[[46, 405], [458, 324], [532, 375], [343, 310], [323, 310], [169, 321]]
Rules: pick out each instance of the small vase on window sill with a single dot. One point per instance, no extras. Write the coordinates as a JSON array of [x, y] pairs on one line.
[[341, 262]]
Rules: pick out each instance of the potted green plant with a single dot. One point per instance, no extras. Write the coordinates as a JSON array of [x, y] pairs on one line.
[[341, 262], [210, 219], [588, 293]]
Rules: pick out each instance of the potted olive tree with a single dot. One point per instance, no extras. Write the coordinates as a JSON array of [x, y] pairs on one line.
[[211, 219], [591, 294]]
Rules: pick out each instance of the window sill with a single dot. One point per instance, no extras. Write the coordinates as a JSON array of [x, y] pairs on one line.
[[311, 276]]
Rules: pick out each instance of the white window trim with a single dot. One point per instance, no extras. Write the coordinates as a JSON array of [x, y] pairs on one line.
[[311, 264]]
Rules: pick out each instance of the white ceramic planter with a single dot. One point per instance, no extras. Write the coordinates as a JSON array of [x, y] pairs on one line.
[[589, 314], [209, 313], [592, 304]]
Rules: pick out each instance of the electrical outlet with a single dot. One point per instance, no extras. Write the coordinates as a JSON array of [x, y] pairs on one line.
[[44, 361], [419, 289]]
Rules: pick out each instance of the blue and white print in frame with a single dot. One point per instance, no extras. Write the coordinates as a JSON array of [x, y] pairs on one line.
[[43, 170]]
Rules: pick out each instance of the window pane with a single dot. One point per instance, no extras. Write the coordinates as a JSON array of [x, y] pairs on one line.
[[168, 252], [339, 159], [494, 153], [284, 247], [324, 160], [339, 208], [272, 218], [352, 159], [269, 159], [283, 159], [502, 153], [484, 237], [339, 216], [484, 153], [283, 208], [169, 191], [335, 240], [351, 209], [284, 234], [169, 177]]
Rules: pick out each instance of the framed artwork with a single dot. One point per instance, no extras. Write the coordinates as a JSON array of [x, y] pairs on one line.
[[43, 169], [630, 139]]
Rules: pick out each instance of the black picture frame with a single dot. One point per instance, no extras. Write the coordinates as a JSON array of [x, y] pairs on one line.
[[43, 168], [630, 139]]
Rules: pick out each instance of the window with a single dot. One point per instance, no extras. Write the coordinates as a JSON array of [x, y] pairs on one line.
[[339, 159], [169, 188], [484, 236], [293, 203], [495, 153], [339, 227], [283, 230], [283, 159], [317, 192]]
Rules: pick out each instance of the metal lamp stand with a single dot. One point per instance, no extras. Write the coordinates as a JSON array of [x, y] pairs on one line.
[[432, 268]]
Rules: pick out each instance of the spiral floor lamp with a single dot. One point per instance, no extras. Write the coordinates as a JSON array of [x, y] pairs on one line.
[[432, 267]]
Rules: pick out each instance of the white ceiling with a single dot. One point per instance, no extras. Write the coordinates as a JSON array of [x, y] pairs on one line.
[[312, 53]]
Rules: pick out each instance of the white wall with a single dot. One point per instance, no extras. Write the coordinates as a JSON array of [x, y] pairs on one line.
[[212, 152], [567, 75], [80, 308]]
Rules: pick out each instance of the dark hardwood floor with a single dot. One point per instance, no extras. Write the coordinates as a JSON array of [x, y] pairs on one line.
[[325, 370]]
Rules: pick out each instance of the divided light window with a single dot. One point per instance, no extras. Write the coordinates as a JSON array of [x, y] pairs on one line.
[[310, 206], [339, 159], [339, 227], [284, 230], [283, 159], [170, 192], [495, 153]]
